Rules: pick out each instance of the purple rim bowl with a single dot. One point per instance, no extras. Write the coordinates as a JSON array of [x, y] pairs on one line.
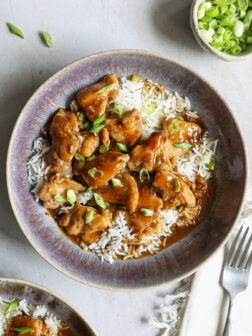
[[37, 295], [176, 261]]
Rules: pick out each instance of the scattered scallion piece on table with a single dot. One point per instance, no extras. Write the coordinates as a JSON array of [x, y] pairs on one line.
[[71, 196], [151, 108], [11, 306], [116, 182], [182, 145], [144, 172], [107, 88], [15, 30], [147, 212], [47, 37], [93, 171], [23, 330], [89, 216], [79, 157], [122, 147], [100, 201]]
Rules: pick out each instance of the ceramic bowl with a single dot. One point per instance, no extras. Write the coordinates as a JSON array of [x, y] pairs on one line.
[[205, 45], [180, 259], [37, 295]]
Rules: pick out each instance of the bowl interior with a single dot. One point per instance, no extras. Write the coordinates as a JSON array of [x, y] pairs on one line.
[[36, 295], [205, 45], [184, 256]]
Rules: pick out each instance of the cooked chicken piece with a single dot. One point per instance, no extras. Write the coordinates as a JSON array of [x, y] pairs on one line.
[[57, 165], [152, 155], [95, 103], [74, 222], [175, 190], [180, 131], [141, 223], [89, 144], [126, 129], [105, 137], [148, 199], [25, 321], [58, 186], [126, 194], [65, 134], [101, 169]]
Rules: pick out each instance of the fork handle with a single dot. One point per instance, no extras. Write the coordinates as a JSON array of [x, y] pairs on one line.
[[227, 327]]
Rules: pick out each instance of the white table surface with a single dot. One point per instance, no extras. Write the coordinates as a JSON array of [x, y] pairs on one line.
[[80, 28]]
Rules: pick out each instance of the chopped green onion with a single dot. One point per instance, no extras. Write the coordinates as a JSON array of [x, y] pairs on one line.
[[15, 30], [85, 125], [213, 24], [93, 171], [11, 306], [238, 30], [96, 128], [173, 126], [90, 158], [147, 212], [118, 111], [47, 37], [79, 157], [249, 40], [71, 196], [177, 185], [201, 10], [135, 78], [242, 4], [23, 330], [151, 108], [100, 201], [174, 202], [143, 172], [122, 147], [59, 198], [210, 165], [213, 11], [99, 119], [182, 145], [103, 149], [116, 182], [106, 88], [89, 216], [232, 8], [81, 117]]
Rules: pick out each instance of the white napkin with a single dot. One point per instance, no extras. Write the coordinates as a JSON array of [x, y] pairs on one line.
[[199, 307]]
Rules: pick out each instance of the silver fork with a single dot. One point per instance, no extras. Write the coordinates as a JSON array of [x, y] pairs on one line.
[[235, 272]]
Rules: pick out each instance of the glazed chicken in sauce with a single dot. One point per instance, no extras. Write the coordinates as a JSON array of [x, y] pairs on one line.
[[98, 150]]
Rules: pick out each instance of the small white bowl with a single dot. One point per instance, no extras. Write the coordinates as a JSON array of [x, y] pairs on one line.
[[205, 45]]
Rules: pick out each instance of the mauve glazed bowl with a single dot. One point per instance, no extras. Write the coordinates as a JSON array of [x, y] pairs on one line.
[[18, 289], [176, 261]]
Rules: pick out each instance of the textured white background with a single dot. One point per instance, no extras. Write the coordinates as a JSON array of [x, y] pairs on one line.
[[79, 28]]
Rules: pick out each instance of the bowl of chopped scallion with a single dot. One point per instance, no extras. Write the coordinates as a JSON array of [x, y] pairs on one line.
[[223, 27]]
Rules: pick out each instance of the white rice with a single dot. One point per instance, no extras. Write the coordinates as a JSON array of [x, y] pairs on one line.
[[119, 239], [36, 312]]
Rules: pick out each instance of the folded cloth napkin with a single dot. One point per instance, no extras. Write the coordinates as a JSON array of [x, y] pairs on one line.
[[199, 305]]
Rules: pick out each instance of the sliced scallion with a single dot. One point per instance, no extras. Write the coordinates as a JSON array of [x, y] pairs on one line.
[[81, 117], [118, 111], [89, 216], [103, 149], [94, 171], [177, 185], [99, 120], [144, 172], [107, 88], [122, 147], [116, 182], [147, 212], [151, 108], [100, 201], [96, 128], [173, 126], [182, 145], [79, 157], [47, 37], [15, 30], [11, 306], [59, 198], [210, 165], [23, 330], [71, 196], [90, 158]]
